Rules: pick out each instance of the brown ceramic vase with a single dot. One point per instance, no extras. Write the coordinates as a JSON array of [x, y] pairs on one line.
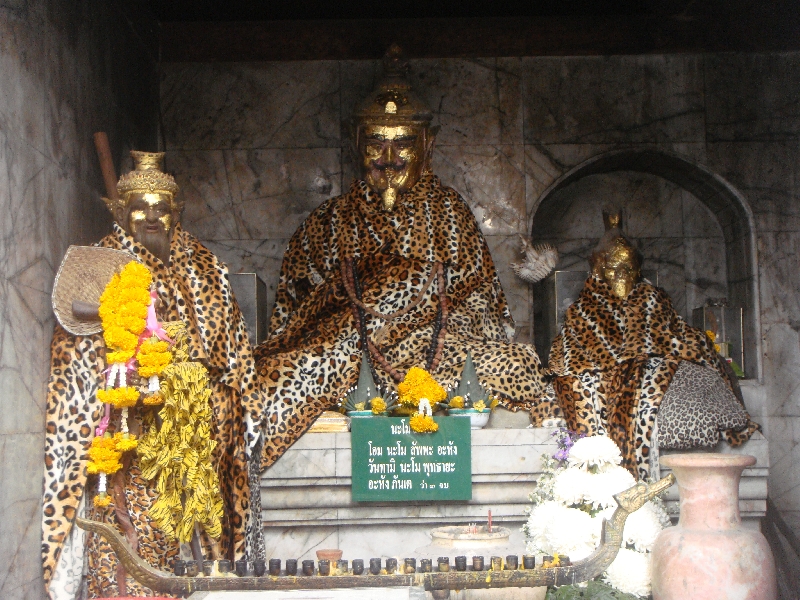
[[709, 555]]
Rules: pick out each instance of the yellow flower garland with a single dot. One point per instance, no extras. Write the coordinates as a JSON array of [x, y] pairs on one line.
[[153, 357], [123, 311], [123, 397], [378, 405], [104, 456], [418, 383], [423, 424], [456, 402]]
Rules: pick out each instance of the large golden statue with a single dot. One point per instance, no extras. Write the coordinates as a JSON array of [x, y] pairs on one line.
[[624, 357], [397, 267], [192, 287]]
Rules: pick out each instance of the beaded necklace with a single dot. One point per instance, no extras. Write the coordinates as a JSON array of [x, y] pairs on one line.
[[434, 355]]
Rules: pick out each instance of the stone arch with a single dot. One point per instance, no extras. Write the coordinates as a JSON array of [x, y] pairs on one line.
[[729, 206]]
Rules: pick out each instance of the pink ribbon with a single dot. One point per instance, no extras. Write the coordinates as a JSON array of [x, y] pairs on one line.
[[101, 429], [153, 327]]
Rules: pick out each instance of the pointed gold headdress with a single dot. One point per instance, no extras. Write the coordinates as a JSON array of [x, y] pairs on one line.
[[392, 100], [146, 178]]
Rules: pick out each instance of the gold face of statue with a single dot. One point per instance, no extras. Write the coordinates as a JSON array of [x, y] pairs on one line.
[[620, 269], [393, 157], [149, 218]]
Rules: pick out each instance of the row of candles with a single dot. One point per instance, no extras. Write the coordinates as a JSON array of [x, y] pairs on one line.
[[192, 568]]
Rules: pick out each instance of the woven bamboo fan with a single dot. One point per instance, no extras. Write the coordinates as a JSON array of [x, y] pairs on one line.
[[82, 276]]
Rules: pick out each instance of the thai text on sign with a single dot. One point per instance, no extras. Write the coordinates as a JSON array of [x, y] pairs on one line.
[[391, 463]]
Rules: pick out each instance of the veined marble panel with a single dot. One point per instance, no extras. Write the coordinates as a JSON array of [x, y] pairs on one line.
[[252, 256], [251, 105], [506, 249], [253, 194], [766, 173], [22, 105], [491, 179], [21, 506], [545, 163], [752, 96], [476, 101], [606, 99]]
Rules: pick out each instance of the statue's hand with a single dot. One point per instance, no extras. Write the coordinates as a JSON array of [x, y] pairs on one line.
[[85, 311]]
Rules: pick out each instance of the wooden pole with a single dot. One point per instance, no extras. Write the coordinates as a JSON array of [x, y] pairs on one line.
[[106, 164]]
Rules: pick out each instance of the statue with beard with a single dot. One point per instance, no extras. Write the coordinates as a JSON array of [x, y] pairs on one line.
[[192, 287], [397, 269]]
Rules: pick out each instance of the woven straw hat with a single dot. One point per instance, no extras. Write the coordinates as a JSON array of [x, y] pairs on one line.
[[83, 275]]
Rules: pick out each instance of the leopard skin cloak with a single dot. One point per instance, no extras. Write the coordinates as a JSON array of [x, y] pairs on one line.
[[314, 350], [194, 288], [614, 360]]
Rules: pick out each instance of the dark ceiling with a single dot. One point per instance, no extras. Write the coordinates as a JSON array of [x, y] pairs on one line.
[[251, 30], [275, 10]]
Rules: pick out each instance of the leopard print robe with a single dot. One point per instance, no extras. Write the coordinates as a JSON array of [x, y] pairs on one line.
[[313, 353], [614, 360], [193, 288]]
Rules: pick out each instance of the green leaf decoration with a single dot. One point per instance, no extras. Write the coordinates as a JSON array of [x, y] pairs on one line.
[[595, 590], [470, 387]]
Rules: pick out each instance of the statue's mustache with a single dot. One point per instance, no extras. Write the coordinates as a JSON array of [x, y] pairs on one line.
[[380, 165]]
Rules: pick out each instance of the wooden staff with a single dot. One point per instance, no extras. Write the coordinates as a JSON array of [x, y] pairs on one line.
[[106, 164]]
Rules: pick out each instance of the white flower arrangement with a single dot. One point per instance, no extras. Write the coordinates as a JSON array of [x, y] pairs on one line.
[[574, 498], [630, 572], [597, 451]]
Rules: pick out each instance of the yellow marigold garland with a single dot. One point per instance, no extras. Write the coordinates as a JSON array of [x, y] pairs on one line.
[[153, 357], [378, 405], [104, 459], [418, 383], [423, 423], [121, 397], [123, 311], [456, 402]]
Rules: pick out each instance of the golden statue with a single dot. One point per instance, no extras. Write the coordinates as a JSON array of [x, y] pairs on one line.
[[398, 268], [615, 260], [624, 358], [192, 287]]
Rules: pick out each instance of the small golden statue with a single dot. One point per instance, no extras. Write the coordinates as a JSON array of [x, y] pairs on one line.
[[615, 260], [625, 356]]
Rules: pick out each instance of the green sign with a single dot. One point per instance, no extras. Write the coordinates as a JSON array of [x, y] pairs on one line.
[[391, 463]]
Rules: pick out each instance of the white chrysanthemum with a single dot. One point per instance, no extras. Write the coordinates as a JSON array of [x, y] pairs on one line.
[[642, 527], [594, 451], [602, 486], [570, 485], [630, 572], [554, 528]]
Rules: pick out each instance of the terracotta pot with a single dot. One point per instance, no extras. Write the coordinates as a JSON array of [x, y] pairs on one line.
[[709, 555], [329, 554]]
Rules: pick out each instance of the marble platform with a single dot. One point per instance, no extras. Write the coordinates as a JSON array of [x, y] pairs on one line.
[[307, 504]]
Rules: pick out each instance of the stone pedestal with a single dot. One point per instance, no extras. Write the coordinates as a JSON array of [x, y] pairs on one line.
[[307, 504]]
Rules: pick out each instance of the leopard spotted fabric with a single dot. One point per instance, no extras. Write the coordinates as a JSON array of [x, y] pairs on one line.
[[614, 361], [696, 408], [193, 288], [314, 351]]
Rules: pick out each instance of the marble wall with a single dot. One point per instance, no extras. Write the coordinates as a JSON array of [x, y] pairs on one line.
[[68, 68], [256, 146]]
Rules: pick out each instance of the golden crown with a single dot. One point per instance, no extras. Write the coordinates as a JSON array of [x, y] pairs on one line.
[[146, 178], [393, 101]]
